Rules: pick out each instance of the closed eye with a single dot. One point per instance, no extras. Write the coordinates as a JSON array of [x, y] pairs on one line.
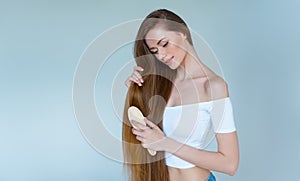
[[153, 50]]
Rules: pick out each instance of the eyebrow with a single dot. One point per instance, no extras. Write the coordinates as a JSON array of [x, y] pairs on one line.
[[160, 40]]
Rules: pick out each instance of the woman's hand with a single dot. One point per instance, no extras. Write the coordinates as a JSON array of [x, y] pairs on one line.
[[151, 137], [135, 77]]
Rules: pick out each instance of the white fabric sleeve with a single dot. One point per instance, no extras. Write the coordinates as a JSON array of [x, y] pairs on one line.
[[222, 116]]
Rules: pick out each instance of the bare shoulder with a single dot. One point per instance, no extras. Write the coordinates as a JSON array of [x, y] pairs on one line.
[[217, 87]]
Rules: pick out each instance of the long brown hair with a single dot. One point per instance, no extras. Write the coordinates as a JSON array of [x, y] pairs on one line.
[[151, 98]]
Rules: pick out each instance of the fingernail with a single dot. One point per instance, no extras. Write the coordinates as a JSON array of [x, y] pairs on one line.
[[142, 69], [140, 84]]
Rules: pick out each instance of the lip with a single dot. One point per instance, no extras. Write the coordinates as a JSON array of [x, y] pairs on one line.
[[168, 61]]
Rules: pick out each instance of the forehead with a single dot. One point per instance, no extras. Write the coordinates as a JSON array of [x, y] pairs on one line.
[[156, 34]]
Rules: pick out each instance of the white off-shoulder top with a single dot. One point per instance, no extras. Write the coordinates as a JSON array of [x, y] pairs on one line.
[[195, 125]]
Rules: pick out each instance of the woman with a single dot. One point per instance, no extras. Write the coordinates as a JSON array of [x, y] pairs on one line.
[[170, 78]]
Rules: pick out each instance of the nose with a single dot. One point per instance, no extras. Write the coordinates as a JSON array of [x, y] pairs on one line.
[[161, 53]]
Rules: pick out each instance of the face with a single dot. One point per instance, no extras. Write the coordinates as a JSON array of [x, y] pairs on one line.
[[168, 46]]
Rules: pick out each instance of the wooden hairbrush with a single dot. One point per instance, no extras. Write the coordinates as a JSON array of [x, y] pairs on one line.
[[135, 115]]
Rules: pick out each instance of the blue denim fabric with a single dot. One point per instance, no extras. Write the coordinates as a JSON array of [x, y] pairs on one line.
[[211, 177]]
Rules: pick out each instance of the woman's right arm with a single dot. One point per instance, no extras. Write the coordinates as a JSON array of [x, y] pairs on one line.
[[135, 77]]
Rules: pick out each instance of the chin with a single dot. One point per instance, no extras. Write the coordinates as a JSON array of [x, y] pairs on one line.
[[173, 67]]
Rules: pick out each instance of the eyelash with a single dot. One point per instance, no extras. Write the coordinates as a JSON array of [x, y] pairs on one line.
[[162, 46]]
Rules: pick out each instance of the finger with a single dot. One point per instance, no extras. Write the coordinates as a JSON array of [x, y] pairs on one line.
[[138, 125], [139, 138], [128, 82], [135, 76], [150, 123], [138, 76], [135, 81], [138, 132], [131, 79], [138, 68], [145, 145]]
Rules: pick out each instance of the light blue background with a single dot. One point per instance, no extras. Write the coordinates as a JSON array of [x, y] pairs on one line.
[[256, 42]]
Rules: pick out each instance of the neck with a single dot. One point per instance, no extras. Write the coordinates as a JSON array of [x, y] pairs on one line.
[[191, 67]]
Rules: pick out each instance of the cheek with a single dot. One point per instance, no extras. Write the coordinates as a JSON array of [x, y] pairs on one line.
[[180, 56], [177, 47], [178, 51], [174, 50]]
